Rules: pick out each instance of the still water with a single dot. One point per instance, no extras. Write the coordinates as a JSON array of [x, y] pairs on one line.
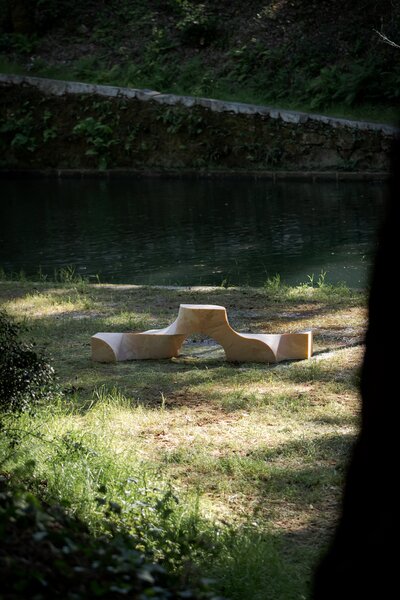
[[191, 232]]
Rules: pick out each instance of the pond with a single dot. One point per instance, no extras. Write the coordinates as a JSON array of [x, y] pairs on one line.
[[191, 231]]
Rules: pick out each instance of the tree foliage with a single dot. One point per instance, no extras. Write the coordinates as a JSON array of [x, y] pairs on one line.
[[25, 376]]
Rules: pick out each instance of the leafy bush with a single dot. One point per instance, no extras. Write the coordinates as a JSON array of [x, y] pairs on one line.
[[98, 137], [17, 130], [25, 376], [66, 561]]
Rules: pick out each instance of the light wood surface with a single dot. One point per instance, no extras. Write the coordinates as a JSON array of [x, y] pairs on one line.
[[206, 319]]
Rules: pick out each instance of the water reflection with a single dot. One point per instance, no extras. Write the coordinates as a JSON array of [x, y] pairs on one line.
[[190, 231]]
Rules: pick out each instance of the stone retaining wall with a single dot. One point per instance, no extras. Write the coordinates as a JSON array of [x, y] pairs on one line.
[[48, 124]]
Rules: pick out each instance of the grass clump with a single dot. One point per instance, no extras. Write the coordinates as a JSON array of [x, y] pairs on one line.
[[314, 289]]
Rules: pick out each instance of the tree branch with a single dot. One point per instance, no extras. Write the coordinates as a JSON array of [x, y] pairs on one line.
[[386, 39]]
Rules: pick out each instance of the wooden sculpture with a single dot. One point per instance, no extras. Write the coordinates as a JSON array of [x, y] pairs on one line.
[[206, 319]]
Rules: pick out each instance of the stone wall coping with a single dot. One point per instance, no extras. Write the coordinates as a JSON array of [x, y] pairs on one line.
[[60, 88]]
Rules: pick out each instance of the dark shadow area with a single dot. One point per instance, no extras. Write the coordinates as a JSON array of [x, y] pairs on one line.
[[145, 381], [317, 371], [339, 420], [310, 493], [337, 348], [316, 482], [320, 448], [362, 559]]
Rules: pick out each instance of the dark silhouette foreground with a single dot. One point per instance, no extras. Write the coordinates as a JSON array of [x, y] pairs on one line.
[[362, 559]]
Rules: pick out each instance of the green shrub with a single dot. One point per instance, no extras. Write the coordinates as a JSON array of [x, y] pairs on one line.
[[18, 130], [25, 376], [66, 561], [98, 137]]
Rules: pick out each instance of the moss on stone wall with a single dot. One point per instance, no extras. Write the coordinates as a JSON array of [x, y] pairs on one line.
[[67, 131]]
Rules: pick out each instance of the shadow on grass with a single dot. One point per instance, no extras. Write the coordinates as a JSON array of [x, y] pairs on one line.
[[318, 448], [66, 337], [263, 565], [164, 302], [200, 371], [243, 561], [294, 476], [297, 488]]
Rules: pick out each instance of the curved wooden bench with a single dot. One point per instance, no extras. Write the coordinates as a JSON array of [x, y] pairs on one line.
[[207, 319]]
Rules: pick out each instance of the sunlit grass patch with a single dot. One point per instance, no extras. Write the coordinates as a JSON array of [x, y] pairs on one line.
[[49, 302]]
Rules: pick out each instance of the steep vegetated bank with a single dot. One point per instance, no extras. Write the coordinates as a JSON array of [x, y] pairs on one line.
[[47, 124], [308, 55], [314, 55]]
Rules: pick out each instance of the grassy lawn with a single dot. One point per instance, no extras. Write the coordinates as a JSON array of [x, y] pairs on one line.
[[222, 470]]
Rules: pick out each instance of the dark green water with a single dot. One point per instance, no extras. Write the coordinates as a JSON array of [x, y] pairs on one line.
[[196, 232]]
